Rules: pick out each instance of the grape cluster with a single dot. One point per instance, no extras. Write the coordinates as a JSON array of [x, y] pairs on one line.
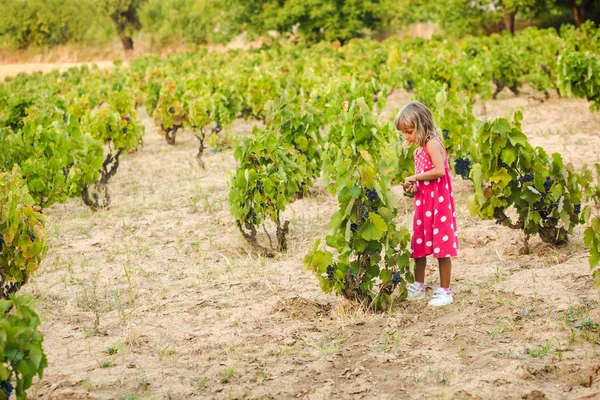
[[1, 243], [446, 134], [544, 210], [372, 195], [124, 130], [252, 216], [502, 164], [7, 388], [526, 178], [577, 209], [353, 227], [172, 110], [32, 237], [548, 184], [259, 186], [462, 166], [410, 85], [330, 272], [396, 278], [498, 222], [364, 212], [66, 172]]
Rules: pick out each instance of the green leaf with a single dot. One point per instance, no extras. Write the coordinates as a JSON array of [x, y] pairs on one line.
[[385, 275], [588, 236], [373, 228], [594, 257], [517, 138], [508, 155]]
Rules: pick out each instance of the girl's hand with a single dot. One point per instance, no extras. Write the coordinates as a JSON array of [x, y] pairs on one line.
[[410, 187]]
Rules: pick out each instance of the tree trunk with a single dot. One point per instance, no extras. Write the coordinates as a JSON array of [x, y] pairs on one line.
[[127, 43], [579, 12], [509, 20]]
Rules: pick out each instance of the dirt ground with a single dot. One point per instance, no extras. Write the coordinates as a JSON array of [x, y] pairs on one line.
[[159, 297]]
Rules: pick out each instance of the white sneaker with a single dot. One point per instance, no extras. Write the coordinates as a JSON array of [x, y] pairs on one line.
[[415, 291], [440, 298]]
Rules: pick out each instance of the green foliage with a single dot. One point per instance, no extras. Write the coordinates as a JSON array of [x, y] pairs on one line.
[[270, 175], [362, 232], [579, 76], [591, 238], [56, 158], [591, 235], [22, 233], [124, 14], [545, 194], [507, 65], [315, 20], [22, 357], [170, 112], [299, 125], [42, 23], [193, 21]]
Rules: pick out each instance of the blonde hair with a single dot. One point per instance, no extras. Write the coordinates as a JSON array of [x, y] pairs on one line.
[[417, 116]]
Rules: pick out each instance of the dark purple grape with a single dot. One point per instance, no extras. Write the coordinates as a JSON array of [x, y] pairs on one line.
[[172, 110], [526, 178], [548, 183], [446, 134], [577, 209], [7, 388], [372, 195], [364, 212], [396, 278], [462, 166], [330, 271]]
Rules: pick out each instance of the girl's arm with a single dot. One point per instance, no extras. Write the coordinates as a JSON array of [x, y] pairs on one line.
[[436, 151]]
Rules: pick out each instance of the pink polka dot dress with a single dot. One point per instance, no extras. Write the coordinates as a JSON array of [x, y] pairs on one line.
[[434, 222]]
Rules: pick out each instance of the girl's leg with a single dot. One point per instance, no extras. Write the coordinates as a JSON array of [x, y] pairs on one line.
[[420, 264], [445, 271]]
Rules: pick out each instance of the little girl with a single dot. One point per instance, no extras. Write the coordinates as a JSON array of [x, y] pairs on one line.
[[434, 220]]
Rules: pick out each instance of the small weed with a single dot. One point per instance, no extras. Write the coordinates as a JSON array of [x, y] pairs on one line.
[[89, 386], [498, 331], [106, 364], [541, 351], [111, 350], [227, 373], [580, 323], [201, 383]]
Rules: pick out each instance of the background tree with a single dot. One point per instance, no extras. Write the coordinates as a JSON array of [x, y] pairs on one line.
[[124, 13], [190, 21], [314, 20], [43, 23], [582, 10]]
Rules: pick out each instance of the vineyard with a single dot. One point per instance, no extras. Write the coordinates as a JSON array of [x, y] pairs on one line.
[[184, 224]]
